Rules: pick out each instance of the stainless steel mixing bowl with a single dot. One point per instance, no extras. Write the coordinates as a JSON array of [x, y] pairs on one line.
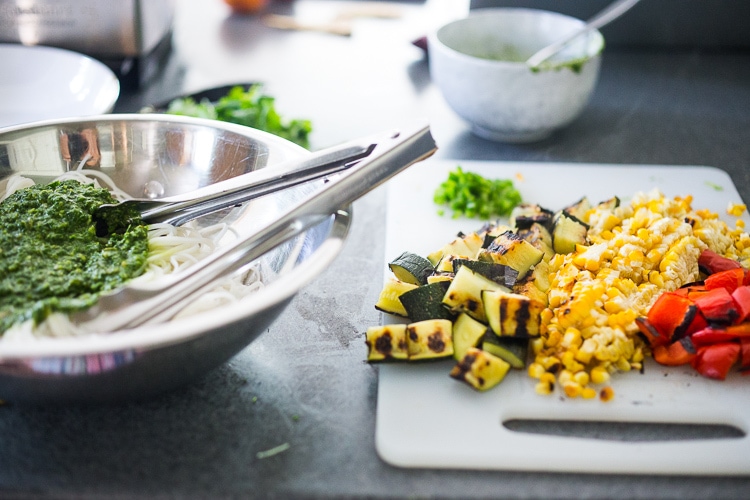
[[159, 155]]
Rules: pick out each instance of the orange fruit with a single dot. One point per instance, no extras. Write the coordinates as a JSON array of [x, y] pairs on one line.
[[247, 6]]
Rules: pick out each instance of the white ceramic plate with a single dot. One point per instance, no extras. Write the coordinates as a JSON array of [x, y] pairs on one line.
[[41, 83]]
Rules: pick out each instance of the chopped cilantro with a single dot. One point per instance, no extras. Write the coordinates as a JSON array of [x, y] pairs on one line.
[[471, 195]]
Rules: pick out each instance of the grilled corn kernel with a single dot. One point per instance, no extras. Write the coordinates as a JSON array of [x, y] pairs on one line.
[[607, 394], [587, 350], [599, 375], [544, 388], [537, 345], [588, 393], [547, 378], [550, 364], [572, 337], [572, 389], [565, 376], [581, 378], [569, 362], [536, 370], [623, 364], [736, 209]]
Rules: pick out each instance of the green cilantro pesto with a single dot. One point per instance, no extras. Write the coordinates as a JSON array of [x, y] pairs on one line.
[[51, 259]]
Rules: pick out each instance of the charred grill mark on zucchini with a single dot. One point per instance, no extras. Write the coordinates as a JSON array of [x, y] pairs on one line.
[[522, 317], [512, 314], [499, 273], [430, 339], [512, 250], [465, 293], [386, 342], [526, 214]]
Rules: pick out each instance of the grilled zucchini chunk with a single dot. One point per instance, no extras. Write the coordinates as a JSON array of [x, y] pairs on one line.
[[539, 237], [536, 284], [465, 293], [568, 232], [512, 250], [388, 300], [512, 314], [387, 342], [499, 273], [464, 245], [540, 276], [426, 302], [492, 231], [526, 214], [578, 209], [514, 350], [440, 277], [430, 339], [609, 204], [411, 268], [467, 332], [446, 263], [531, 290], [480, 369]]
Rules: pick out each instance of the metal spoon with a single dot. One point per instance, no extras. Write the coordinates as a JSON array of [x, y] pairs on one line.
[[607, 15], [179, 209], [132, 306]]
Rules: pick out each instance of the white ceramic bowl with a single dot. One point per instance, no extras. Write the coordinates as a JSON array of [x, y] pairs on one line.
[[478, 63], [45, 83]]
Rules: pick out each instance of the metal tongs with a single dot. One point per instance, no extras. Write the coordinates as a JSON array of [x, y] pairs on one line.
[[132, 306]]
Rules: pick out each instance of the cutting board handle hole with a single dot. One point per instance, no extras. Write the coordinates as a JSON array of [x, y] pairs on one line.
[[624, 431]]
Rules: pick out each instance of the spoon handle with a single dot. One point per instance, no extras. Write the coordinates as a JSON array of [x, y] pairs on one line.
[[605, 16]]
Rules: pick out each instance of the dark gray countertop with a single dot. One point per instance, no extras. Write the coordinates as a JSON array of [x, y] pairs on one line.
[[305, 382]]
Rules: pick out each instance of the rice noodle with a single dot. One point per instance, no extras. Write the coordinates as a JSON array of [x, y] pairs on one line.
[[171, 249]]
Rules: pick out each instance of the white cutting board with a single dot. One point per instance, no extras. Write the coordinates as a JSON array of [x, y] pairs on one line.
[[427, 419]]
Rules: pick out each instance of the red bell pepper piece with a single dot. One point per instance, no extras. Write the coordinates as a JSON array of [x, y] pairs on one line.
[[715, 360], [710, 335], [741, 330], [717, 306], [729, 279], [696, 292], [711, 262], [713, 335], [653, 337], [674, 316], [681, 352], [745, 355], [741, 297]]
